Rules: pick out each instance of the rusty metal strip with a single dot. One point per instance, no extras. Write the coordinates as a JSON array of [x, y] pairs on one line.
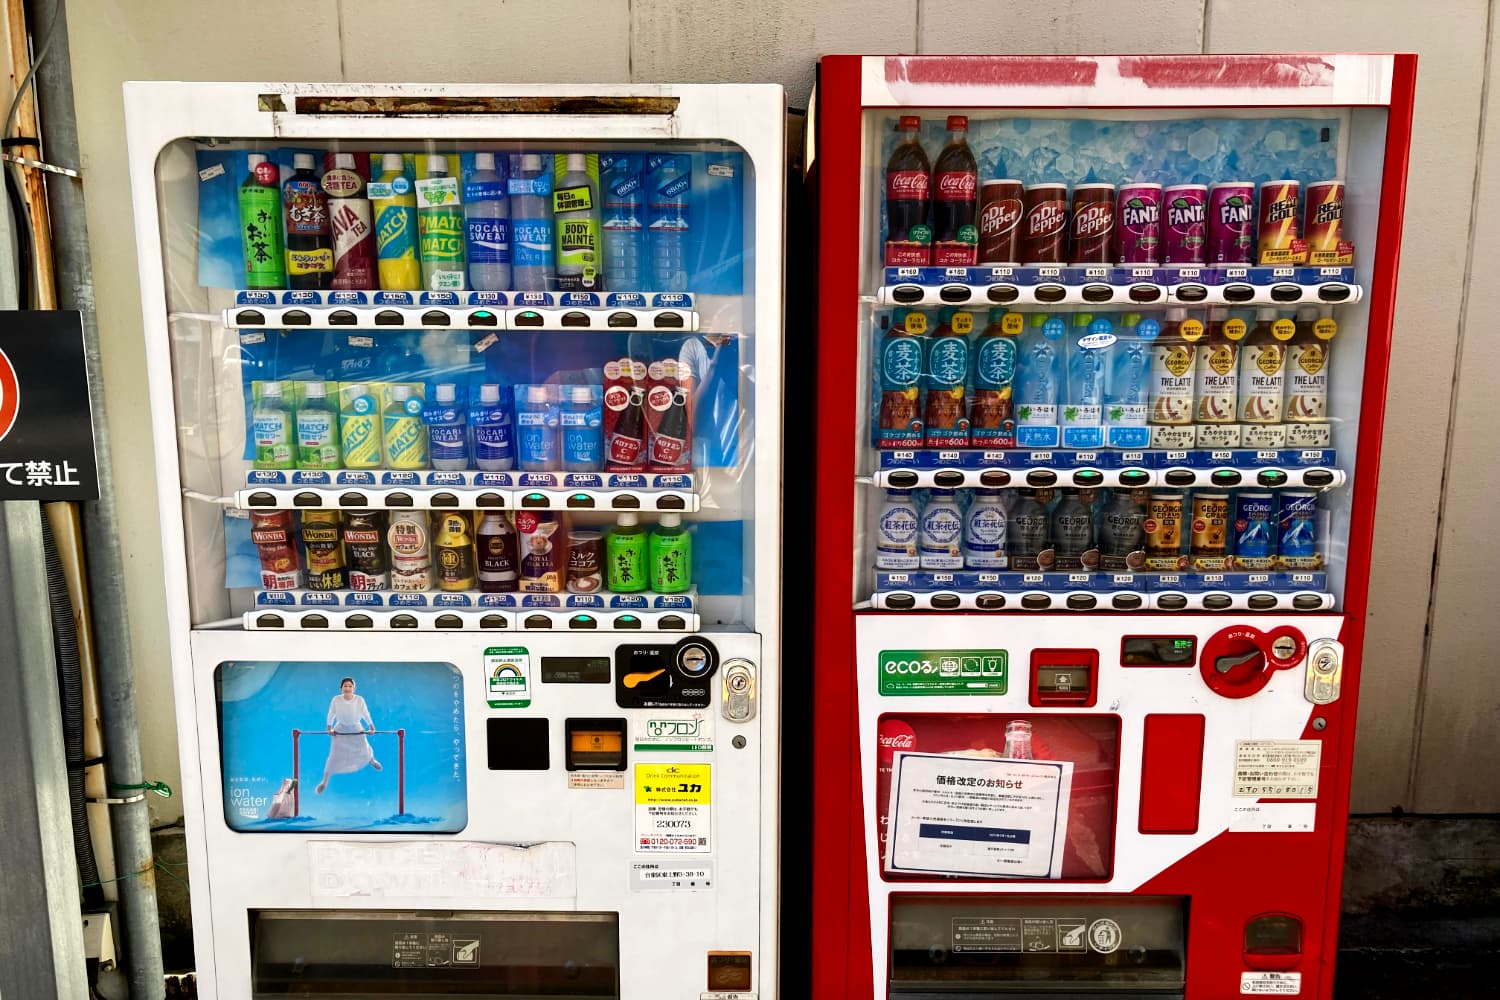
[[396, 105]]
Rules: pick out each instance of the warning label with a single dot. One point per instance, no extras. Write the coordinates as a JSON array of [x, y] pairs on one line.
[[1277, 984], [434, 950], [1276, 769], [987, 934]]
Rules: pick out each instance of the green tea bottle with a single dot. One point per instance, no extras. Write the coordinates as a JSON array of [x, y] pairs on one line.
[[625, 556], [260, 225], [671, 556]]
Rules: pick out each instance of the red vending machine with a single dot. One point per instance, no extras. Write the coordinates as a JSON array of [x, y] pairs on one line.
[[1102, 359]]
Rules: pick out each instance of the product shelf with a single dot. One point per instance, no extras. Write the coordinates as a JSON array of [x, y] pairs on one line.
[[657, 312], [1194, 468], [377, 489], [353, 610], [1106, 287], [1012, 591]]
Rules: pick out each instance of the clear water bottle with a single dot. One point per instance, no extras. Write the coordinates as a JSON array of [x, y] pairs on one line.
[[487, 213], [624, 234], [670, 183], [531, 225]]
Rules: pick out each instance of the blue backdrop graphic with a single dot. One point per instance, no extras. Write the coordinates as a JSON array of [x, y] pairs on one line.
[[262, 701]]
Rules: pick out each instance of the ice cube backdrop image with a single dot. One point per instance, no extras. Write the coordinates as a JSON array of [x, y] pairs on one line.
[[342, 746]]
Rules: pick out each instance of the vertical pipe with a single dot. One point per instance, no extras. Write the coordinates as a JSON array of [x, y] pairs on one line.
[[75, 285], [296, 774], [401, 771]]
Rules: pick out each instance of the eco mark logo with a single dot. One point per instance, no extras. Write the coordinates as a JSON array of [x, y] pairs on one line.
[[10, 396]]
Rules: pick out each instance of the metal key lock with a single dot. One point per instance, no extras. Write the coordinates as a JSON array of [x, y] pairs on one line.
[[738, 690]]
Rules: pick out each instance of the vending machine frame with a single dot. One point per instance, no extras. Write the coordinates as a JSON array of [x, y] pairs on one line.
[[847, 917], [232, 872]]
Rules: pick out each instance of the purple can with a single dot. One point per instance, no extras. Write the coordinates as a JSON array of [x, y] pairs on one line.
[[1138, 219], [1231, 223], [1184, 235]]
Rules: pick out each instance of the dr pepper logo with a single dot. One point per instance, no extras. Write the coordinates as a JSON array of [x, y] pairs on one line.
[[1045, 219], [10, 396], [999, 217], [1095, 220]]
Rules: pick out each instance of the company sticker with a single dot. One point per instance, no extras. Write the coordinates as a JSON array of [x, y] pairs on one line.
[[672, 876], [672, 811], [911, 672], [680, 732], [1279, 984], [507, 676], [1276, 769]]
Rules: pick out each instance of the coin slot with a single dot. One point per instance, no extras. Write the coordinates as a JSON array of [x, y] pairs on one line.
[[900, 602], [1239, 293], [955, 293], [1225, 477], [1041, 477], [1271, 477], [1050, 293], [493, 621], [514, 744], [389, 317], [1036, 602], [907, 294], [483, 317], [1286, 293], [404, 621], [1098, 293], [618, 320], [1082, 602], [250, 317], [296, 317], [1334, 293], [1003, 294], [269, 621], [1190, 293], [1145, 293], [537, 621], [945, 602], [994, 477], [342, 317], [529, 317], [1171, 602], [444, 500], [669, 321], [359, 621], [398, 500]]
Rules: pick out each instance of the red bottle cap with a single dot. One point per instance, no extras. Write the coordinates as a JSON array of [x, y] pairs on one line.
[[910, 123], [958, 123]]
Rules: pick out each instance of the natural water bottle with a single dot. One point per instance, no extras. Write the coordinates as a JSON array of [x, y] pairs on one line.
[[494, 447], [575, 206], [405, 437], [317, 429], [531, 225], [448, 431], [440, 222], [669, 224], [487, 212], [271, 426], [624, 234]]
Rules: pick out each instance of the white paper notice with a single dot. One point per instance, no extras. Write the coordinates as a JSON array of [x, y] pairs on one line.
[[439, 869], [985, 816], [1276, 769], [1276, 984]]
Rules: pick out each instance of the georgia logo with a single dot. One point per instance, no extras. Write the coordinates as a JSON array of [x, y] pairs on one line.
[[10, 396]]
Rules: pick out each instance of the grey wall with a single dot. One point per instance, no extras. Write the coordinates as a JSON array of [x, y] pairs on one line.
[[1431, 697]]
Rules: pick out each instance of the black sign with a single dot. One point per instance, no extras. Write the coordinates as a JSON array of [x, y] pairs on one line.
[[46, 432]]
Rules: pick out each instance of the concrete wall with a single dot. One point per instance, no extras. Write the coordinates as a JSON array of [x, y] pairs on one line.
[[1430, 697]]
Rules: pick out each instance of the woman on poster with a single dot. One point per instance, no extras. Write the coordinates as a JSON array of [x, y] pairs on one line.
[[349, 748]]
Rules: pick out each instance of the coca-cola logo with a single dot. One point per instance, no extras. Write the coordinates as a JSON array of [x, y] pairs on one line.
[[907, 184], [957, 185], [1094, 220], [898, 741], [1045, 219], [1000, 217]]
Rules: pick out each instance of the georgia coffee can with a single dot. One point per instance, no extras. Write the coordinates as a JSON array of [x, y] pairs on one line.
[[1001, 207], [1093, 239], [1045, 238], [1231, 222], [1278, 231], [1138, 219], [1184, 236], [1210, 537], [1323, 225]]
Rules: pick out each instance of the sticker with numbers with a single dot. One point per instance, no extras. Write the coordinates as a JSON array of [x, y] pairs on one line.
[[1275, 984], [507, 676], [1276, 769], [672, 808]]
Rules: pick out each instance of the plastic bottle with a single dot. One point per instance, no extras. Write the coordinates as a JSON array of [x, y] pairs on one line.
[[536, 424], [622, 230], [448, 435], [575, 207], [531, 226], [955, 190], [494, 445], [1170, 398], [1216, 378], [395, 205], [671, 556], [940, 542], [908, 191], [896, 538], [1127, 383], [487, 213], [352, 225], [946, 414], [1038, 383], [309, 247], [582, 430], [260, 225], [498, 562], [359, 428], [668, 213], [272, 427], [1262, 371], [317, 429], [1308, 357], [440, 223], [1088, 349], [405, 437], [903, 356], [984, 531], [625, 555]]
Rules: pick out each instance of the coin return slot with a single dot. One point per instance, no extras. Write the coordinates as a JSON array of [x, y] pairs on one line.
[[1050, 293], [444, 500], [1144, 293], [492, 621], [483, 317], [1262, 602], [1190, 293], [389, 317], [404, 621], [1082, 602], [618, 320], [583, 622], [1239, 293], [356, 500], [513, 744], [1004, 294], [1126, 602], [902, 480], [529, 318], [1334, 293], [669, 321], [580, 501], [307, 500], [449, 621], [594, 744], [359, 621], [1307, 602], [296, 317], [1036, 602], [989, 602], [489, 500], [575, 320], [955, 293], [948, 479], [669, 502], [1318, 477], [250, 317], [1171, 602], [945, 602], [314, 621], [1098, 293], [342, 317], [1217, 602], [269, 621], [900, 602], [398, 500], [907, 293], [1041, 477], [1286, 293], [626, 501], [1271, 477], [1225, 477], [537, 621], [994, 477]]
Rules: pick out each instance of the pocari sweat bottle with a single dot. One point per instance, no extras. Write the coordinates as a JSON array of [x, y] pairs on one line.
[[624, 234], [448, 431], [487, 214], [494, 443], [531, 225], [669, 223]]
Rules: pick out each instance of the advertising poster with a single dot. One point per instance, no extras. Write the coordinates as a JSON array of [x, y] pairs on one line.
[[348, 747]]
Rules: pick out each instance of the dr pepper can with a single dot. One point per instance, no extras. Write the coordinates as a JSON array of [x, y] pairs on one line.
[[1093, 224], [1001, 209], [1045, 238]]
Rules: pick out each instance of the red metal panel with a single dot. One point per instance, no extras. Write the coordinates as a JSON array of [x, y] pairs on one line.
[[1171, 773]]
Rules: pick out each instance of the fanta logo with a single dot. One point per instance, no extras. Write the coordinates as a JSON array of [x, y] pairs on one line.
[[1045, 219], [10, 396], [1182, 213], [903, 741], [1137, 216], [1000, 217], [955, 185], [1234, 212], [1095, 220]]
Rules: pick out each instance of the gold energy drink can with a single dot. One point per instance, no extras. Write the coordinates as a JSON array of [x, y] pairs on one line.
[[1323, 226], [1279, 235]]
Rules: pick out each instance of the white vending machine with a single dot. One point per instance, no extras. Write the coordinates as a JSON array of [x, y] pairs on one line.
[[467, 411]]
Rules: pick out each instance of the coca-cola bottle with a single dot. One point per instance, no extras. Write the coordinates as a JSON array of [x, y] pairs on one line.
[[670, 447], [907, 192], [955, 188], [628, 440]]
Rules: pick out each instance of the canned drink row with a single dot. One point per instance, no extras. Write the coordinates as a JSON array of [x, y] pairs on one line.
[[491, 551], [1118, 530]]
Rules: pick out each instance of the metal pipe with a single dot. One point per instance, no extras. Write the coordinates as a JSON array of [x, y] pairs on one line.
[[75, 282]]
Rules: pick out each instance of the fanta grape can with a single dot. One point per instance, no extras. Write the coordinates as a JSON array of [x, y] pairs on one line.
[[1231, 222], [1184, 237], [1138, 217]]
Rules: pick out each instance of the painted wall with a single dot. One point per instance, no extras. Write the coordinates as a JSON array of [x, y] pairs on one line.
[[1430, 695]]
